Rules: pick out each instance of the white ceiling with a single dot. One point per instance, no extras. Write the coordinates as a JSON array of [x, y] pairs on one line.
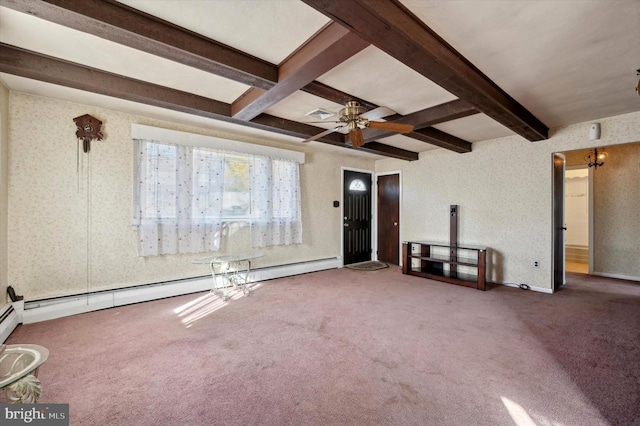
[[565, 61]]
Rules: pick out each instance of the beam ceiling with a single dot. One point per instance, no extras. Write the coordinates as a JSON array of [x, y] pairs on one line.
[[51, 70], [392, 28], [125, 25]]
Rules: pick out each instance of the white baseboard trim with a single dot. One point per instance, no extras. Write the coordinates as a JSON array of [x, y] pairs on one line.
[[44, 310], [273, 272], [8, 321], [532, 288], [66, 306], [617, 276]]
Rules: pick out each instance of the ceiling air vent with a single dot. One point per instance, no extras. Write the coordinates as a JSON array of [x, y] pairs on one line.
[[321, 114]]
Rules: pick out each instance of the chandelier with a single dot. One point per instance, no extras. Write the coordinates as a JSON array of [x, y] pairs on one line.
[[595, 158]]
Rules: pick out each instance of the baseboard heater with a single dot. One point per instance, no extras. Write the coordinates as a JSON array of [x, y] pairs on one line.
[[47, 309], [8, 322]]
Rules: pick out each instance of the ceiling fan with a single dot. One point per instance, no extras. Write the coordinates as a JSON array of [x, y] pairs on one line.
[[354, 117]]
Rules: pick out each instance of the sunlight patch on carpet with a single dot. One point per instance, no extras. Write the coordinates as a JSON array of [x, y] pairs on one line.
[[518, 413], [202, 306], [205, 305]]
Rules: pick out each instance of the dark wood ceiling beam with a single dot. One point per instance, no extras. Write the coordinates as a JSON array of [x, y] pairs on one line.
[[32, 65], [35, 66], [330, 47], [441, 139], [125, 25], [422, 120], [321, 90], [389, 151], [439, 114], [391, 27], [295, 129], [427, 117]]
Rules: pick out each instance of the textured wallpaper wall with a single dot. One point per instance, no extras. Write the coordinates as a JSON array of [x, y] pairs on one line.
[[70, 213], [4, 190], [616, 227], [503, 189]]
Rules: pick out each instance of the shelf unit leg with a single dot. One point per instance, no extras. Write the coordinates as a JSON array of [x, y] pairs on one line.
[[482, 261]]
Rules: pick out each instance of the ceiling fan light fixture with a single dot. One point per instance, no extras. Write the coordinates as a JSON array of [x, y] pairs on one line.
[[351, 111], [354, 118]]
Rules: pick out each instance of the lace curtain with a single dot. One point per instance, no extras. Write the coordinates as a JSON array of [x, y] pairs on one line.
[[179, 199], [180, 194], [275, 202]]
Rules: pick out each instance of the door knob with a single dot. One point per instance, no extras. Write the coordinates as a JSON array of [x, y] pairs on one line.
[[346, 225], [395, 223]]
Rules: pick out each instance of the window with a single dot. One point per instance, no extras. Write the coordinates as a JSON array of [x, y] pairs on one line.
[[184, 196], [357, 185]]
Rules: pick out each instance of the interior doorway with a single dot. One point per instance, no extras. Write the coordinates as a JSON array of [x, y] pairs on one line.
[[559, 227], [388, 224], [577, 218]]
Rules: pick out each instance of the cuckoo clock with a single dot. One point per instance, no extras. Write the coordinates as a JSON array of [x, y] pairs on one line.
[[88, 129]]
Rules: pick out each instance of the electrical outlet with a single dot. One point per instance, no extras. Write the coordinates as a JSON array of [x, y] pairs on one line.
[[536, 264]]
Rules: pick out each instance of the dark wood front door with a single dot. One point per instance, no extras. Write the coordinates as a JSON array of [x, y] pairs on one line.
[[356, 211], [389, 219]]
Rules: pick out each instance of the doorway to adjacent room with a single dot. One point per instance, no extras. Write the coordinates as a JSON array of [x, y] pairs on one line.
[[577, 200]]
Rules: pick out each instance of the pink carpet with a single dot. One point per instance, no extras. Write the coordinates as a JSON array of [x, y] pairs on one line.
[[344, 347]]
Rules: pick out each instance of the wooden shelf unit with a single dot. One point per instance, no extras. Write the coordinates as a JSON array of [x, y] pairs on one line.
[[454, 264]]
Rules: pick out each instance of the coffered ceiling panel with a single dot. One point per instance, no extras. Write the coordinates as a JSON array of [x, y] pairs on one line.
[[475, 128], [269, 30], [375, 76]]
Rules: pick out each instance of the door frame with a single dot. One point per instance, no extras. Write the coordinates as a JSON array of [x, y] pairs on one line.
[[557, 230], [374, 239], [340, 209], [591, 220]]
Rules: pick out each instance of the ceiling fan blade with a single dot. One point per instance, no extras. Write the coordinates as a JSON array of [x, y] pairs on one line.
[[357, 140], [319, 135], [392, 127], [377, 113], [325, 121]]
